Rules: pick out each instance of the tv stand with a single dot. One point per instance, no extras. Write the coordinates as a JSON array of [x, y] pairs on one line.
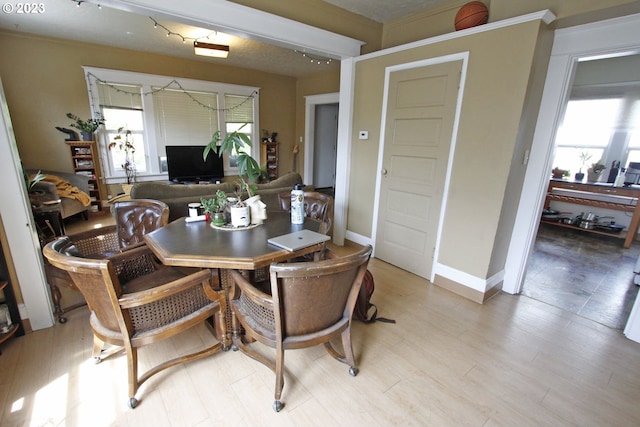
[[196, 182]]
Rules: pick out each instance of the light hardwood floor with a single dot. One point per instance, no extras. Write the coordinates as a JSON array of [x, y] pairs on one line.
[[447, 361]]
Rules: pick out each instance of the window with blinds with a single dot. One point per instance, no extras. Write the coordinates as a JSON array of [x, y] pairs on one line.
[[161, 111], [121, 107], [238, 117]]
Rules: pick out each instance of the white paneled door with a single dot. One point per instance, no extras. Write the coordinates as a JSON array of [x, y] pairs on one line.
[[420, 115]]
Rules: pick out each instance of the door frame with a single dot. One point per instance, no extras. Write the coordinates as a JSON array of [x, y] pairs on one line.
[[311, 102], [23, 246], [464, 57], [604, 38]]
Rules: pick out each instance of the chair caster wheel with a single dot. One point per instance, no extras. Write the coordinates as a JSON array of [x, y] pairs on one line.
[[353, 371], [133, 402], [96, 360], [227, 348], [234, 347], [62, 320], [277, 405]]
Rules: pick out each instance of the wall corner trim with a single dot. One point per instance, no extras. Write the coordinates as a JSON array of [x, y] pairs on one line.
[[466, 279]]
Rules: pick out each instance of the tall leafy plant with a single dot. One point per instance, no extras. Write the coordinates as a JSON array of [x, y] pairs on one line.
[[234, 144]]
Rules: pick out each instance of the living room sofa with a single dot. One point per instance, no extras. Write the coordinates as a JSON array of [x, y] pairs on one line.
[[47, 192], [178, 196]]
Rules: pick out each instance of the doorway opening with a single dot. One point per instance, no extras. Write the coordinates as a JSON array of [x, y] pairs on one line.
[[573, 266], [321, 130], [324, 148], [611, 38]]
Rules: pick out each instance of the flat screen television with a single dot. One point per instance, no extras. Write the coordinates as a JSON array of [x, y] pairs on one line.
[[185, 164]]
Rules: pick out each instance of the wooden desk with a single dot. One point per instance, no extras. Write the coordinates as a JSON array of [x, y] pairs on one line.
[[628, 202], [197, 244]]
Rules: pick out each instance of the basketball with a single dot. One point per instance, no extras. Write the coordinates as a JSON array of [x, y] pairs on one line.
[[471, 14]]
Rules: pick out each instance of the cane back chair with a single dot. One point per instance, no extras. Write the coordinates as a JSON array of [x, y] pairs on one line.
[[134, 301], [310, 304], [133, 219]]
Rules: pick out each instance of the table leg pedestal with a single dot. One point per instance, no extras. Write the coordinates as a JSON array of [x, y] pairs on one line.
[[225, 319]]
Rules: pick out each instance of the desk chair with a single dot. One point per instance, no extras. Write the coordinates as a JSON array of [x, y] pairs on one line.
[[135, 301], [310, 304]]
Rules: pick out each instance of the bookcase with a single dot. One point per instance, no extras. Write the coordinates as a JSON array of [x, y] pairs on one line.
[[269, 157], [84, 156]]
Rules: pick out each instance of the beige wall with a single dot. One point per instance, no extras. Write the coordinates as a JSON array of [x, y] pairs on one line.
[[44, 80], [318, 84], [500, 66]]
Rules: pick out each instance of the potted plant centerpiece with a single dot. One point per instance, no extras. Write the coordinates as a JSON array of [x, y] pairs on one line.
[[213, 210], [86, 127], [249, 170]]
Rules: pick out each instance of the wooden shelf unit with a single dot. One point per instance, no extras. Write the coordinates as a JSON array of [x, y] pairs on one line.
[[628, 202], [84, 156], [9, 298], [270, 157]]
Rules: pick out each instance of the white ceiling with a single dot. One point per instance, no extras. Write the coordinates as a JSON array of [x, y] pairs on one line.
[[66, 20]]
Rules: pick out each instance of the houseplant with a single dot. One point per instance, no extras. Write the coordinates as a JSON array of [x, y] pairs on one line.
[[234, 144], [559, 173], [584, 158], [595, 171], [126, 146], [86, 127], [33, 180], [213, 210]]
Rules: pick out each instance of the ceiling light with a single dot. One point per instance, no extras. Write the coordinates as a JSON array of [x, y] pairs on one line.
[[209, 49]]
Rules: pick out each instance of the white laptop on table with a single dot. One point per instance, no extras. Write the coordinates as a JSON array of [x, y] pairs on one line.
[[298, 240]]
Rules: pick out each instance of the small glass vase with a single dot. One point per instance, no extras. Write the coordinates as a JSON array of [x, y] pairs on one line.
[[217, 218]]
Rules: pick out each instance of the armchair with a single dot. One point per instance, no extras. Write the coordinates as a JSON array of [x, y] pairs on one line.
[[133, 220], [134, 301], [310, 304], [68, 206]]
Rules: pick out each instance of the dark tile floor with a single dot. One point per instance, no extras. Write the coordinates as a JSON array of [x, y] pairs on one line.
[[587, 274]]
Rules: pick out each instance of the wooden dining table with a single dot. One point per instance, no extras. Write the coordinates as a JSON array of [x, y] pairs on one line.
[[198, 244]]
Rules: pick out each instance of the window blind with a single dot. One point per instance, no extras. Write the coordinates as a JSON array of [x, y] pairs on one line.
[[113, 95], [239, 109], [184, 118]]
